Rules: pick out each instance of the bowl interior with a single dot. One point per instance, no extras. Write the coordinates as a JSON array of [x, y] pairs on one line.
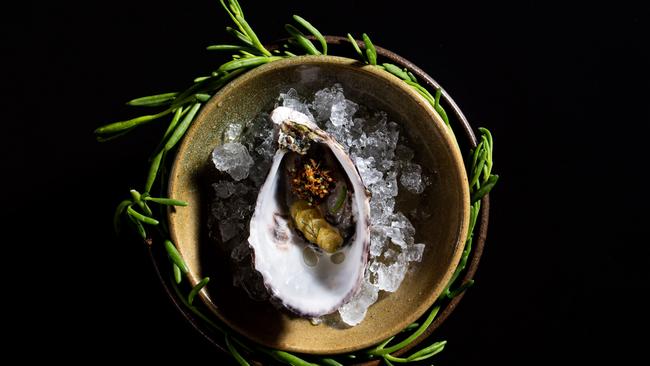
[[446, 199]]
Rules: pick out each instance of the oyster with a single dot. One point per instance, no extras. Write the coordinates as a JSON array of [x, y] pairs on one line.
[[310, 231]]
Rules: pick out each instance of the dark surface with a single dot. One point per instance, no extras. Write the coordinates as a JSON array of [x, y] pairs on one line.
[[564, 92]]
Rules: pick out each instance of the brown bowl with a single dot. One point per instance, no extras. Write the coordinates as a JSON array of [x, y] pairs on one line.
[[443, 232]]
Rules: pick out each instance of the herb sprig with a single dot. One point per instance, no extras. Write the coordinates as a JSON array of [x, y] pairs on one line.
[[247, 54]]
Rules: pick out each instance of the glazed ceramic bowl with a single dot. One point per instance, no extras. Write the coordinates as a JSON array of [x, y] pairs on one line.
[[443, 232]]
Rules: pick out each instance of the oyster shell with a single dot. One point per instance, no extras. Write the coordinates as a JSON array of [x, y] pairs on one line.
[[310, 277]]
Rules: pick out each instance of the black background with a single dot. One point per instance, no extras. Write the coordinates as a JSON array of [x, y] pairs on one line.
[[564, 91]]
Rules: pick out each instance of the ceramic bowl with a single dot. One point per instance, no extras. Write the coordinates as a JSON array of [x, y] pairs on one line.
[[446, 198]]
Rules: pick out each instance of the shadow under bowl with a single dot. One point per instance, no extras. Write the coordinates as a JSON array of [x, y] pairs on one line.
[[446, 199]]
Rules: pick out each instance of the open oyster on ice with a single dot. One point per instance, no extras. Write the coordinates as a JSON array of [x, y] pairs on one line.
[[310, 231]]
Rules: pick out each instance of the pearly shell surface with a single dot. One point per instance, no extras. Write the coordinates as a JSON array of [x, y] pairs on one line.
[[305, 280]]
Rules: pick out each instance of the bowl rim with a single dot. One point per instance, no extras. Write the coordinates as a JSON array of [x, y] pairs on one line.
[[482, 223]]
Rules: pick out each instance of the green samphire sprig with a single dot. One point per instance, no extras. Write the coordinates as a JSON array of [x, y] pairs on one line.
[[246, 54]]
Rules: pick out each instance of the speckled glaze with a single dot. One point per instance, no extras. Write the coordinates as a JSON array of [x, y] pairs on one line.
[[443, 232]]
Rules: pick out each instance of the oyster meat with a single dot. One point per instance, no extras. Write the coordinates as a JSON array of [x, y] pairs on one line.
[[310, 231]]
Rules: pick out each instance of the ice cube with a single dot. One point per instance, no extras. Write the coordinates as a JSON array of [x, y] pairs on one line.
[[373, 267], [232, 158], [293, 100], [353, 312], [411, 178], [342, 111], [399, 220], [414, 252], [368, 174], [251, 281], [377, 240], [385, 188], [381, 209], [223, 189], [232, 132], [241, 251], [390, 277], [337, 113], [227, 229], [324, 99]]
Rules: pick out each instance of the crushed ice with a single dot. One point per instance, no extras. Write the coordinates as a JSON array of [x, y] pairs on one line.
[[382, 159], [232, 158]]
